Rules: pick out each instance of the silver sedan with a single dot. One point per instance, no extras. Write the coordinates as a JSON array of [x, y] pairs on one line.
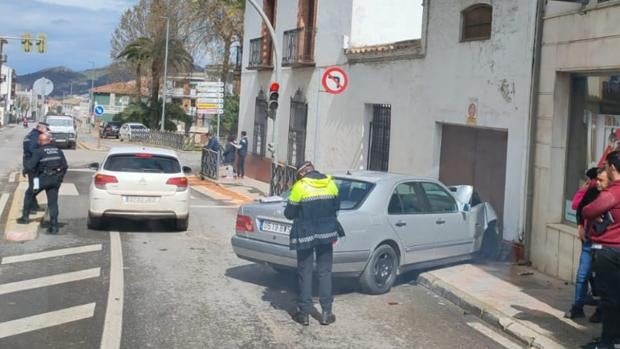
[[393, 223]]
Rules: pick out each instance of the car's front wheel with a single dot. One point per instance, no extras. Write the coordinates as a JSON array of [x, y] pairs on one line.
[[182, 224], [380, 272]]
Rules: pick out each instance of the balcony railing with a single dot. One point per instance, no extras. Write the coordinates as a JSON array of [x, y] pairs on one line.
[[260, 54], [298, 47]]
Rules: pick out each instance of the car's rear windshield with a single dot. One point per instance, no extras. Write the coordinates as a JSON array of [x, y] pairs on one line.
[[112, 123], [137, 127], [352, 192], [142, 163], [60, 122]]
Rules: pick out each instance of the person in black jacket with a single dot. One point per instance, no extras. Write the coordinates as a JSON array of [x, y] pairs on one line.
[[31, 143], [49, 165], [242, 152], [313, 205]]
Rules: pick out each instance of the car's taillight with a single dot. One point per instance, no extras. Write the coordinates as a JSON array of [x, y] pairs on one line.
[[101, 180], [180, 182], [244, 224]]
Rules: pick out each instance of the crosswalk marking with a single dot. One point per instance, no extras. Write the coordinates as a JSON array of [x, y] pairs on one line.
[[4, 198], [12, 177], [53, 318], [49, 280], [49, 254], [68, 189], [485, 330]]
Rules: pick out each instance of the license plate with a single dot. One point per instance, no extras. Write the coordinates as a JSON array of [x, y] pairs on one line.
[[275, 227], [140, 199]]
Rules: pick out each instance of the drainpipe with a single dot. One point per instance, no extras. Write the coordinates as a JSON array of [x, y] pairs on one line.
[[531, 148]]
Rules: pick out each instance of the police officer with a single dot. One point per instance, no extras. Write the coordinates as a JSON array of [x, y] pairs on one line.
[[312, 205], [31, 143], [242, 152], [49, 165]]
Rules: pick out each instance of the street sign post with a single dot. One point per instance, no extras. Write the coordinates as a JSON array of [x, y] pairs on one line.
[[99, 110], [210, 101], [335, 80]]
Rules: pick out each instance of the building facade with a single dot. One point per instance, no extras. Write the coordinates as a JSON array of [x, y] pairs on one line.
[[446, 97], [577, 114], [7, 92]]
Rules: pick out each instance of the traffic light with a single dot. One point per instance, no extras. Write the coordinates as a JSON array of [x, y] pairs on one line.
[[273, 99], [41, 43], [27, 42], [271, 148]]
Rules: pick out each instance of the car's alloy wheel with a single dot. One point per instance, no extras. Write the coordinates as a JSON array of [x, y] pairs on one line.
[[380, 272]]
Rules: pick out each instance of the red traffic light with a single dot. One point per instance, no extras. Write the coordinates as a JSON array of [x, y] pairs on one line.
[[274, 87]]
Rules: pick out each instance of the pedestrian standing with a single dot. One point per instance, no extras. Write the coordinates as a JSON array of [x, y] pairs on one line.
[[242, 152], [606, 252], [49, 165], [598, 180], [229, 155], [30, 145], [212, 144], [313, 205]]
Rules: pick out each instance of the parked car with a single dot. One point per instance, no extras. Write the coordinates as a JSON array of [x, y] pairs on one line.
[[132, 130], [393, 223], [110, 129], [139, 183], [62, 130]]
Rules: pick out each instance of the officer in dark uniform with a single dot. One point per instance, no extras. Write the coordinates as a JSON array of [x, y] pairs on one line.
[[49, 165], [31, 143]]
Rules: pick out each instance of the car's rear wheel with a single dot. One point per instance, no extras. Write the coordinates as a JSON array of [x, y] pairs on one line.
[[94, 223], [380, 272], [182, 224]]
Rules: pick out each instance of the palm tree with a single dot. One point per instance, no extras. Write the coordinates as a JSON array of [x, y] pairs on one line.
[[137, 53]]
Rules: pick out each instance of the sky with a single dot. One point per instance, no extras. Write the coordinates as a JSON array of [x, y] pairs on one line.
[[78, 31]]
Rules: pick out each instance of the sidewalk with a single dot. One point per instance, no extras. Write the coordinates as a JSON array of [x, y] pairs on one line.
[[518, 299], [235, 190], [22, 232]]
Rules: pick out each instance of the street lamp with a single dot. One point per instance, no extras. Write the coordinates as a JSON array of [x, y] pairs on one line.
[[163, 104]]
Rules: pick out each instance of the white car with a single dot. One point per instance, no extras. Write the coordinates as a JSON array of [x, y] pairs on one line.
[[132, 130], [139, 183], [62, 130]]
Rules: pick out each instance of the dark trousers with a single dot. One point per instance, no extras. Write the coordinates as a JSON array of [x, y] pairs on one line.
[[30, 198], [241, 165], [305, 267], [606, 265], [52, 204]]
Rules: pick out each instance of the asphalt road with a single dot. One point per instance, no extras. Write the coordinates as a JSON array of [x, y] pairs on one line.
[[142, 285]]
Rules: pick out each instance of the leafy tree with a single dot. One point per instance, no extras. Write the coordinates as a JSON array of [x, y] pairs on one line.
[[141, 112], [229, 121], [137, 53]]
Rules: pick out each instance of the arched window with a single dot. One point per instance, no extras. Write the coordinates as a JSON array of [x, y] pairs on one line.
[[477, 22], [259, 137]]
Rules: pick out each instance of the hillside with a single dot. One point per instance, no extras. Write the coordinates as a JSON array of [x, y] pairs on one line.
[[67, 81]]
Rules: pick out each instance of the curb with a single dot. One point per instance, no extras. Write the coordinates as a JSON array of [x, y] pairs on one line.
[[231, 194], [487, 313], [17, 232], [88, 147]]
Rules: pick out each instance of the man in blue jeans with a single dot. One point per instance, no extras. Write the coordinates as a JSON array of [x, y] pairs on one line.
[[584, 196]]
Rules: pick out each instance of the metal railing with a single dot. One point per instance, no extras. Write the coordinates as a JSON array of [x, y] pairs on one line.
[[209, 164], [162, 138], [260, 53], [298, 46], [282, 178]]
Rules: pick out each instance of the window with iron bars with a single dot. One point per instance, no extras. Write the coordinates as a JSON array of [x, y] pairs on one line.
[[379, 148], [260, 125], [297, 129]]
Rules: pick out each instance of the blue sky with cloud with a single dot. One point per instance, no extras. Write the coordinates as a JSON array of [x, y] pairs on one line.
[[78, 31]]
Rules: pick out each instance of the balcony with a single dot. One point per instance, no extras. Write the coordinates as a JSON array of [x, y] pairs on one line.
[[260, 54], [298, 47]]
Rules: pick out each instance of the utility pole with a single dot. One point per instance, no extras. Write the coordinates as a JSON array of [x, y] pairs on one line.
[[277, 68], [163, 104]]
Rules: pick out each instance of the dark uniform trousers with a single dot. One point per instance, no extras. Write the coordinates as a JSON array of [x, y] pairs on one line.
[[241, 164], [606, 265], [305, 267]]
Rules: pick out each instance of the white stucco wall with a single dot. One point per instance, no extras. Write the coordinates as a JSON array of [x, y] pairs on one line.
[[573, 43], [423, 93], [376, 22]]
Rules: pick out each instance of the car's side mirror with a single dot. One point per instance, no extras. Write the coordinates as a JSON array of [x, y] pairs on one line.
[[187, 170], [94, 166]]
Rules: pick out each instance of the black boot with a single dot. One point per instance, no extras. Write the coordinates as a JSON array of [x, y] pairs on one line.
[[597, 317], [327, 317], [53, 228], [574, 313], [23, 219], [301, 318]]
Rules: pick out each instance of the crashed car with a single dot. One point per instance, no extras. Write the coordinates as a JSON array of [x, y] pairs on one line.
[[393, 223]]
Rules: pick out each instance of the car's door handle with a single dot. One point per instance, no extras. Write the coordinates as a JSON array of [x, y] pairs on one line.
[[440, 221], [401, 224]]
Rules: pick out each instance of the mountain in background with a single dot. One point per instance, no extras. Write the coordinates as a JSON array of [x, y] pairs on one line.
[[67, 81]]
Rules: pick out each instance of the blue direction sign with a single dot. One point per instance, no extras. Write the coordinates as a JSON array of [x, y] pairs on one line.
[[99, 110]]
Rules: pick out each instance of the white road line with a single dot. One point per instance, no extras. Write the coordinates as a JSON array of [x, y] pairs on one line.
[[3, 201], [485, 330], [49, 254], [49, 280], [214, 206], [12, 177], [113, 325], [68, 189], [54, 318]]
